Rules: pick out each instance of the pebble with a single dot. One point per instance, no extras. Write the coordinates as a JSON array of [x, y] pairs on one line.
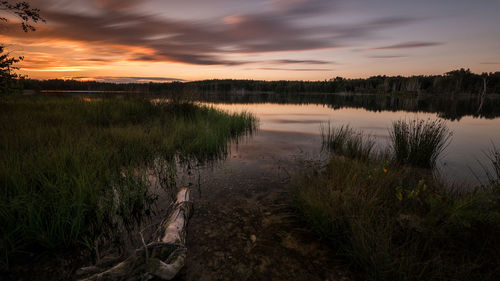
[[253, 238]]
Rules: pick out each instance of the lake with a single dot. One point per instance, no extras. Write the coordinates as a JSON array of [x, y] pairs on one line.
[[290, 128]]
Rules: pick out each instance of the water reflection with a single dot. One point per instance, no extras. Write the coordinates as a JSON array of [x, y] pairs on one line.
[[471, 136], [446, 107]]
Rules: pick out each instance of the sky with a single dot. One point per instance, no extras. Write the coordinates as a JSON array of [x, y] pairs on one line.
[[164, 40]]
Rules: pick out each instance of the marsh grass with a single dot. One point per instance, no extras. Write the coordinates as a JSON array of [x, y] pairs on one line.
[[346, 141], [71, 169], [494, 157], [419, 142], [399, 222]]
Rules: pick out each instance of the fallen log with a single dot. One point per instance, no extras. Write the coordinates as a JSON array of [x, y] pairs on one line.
[[162, 258]]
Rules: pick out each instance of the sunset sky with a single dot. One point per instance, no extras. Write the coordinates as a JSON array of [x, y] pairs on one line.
[[161, 40]]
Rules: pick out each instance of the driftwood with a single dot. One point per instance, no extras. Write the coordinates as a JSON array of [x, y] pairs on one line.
[[162, 258]]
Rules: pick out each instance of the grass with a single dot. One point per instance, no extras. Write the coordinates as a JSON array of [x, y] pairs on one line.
[[398, 222], [419, 142], [71, 170], [346, 141], [494, 157]]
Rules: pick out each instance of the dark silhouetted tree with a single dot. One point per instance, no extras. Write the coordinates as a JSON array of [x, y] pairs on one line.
[[22, 10], [6, 66], [28, 15]]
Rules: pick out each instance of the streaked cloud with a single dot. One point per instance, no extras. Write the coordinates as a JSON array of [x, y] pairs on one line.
[[491, 63], [291, 69], [118, 79], [116, 5], [288, 61], [385, 57], [302, 7], [261, 39], [408, 45], [136, 35]]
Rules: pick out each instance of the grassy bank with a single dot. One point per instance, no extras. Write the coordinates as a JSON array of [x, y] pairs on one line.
[[72, 169], [394, 220]]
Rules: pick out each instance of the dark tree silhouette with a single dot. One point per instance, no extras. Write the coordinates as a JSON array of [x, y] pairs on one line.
[[6, 67], [22, 10], [28, 15]]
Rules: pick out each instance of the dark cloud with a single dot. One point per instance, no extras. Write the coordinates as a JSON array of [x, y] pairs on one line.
[[116, 5], [119, 79], [408, 45], [117, 29], [300, 62], [100, 60], [302, 7], [491, 63], [44, 62], [291, 69], [386, 57]]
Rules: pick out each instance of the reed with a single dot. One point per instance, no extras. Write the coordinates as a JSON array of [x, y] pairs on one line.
[[494, 157], [346, 141], [419, 142]]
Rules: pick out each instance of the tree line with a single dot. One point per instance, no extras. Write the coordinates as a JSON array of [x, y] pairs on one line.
[[452, 82]]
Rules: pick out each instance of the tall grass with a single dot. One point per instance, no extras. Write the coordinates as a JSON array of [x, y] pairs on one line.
[[346, 141], [419, 142], [494, 157], [70, 169], [398, 222]]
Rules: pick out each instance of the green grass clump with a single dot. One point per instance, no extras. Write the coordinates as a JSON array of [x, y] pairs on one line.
[[398, 222], [346, 141], [71, 170], [419, 142]]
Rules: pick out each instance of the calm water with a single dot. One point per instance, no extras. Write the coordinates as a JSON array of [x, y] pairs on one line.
[[292, 130]]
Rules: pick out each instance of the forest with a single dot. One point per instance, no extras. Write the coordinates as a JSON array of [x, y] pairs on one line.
[[452, 82]]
